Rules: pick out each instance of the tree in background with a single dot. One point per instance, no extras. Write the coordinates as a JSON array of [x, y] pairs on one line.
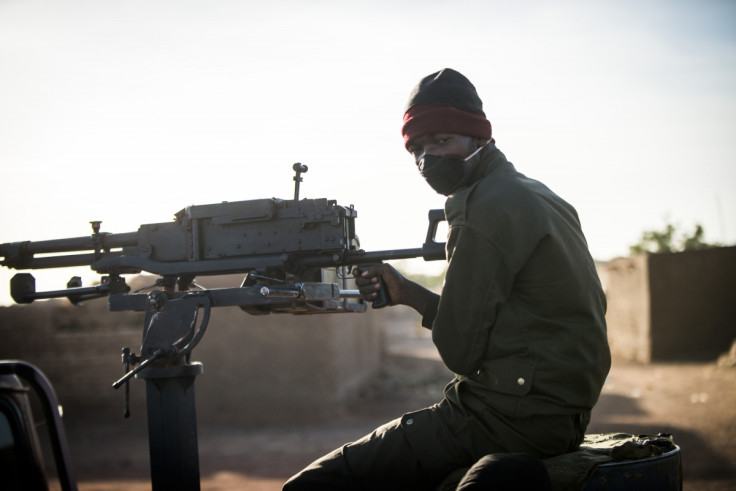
[[670, 240]]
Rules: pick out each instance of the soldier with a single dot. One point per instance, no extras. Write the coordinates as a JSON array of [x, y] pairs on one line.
[[520, 319]]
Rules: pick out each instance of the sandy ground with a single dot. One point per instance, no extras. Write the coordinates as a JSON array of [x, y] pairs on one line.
[[694, 402]]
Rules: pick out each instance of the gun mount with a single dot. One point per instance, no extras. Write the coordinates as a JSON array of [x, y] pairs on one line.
[[295, 255]]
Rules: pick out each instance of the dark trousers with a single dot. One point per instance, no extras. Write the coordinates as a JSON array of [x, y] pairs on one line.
[[382, 460], [420, 449], [506, 472]]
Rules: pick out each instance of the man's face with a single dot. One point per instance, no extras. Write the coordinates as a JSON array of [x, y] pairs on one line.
[[441, 144]]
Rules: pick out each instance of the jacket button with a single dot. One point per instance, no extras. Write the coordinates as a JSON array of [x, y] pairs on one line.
[[521, 381], [409, 421]]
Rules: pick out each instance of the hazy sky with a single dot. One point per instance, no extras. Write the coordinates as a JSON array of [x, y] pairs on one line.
[[127, 111]]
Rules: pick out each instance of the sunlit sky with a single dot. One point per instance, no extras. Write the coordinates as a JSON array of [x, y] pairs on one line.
[[128, 111]]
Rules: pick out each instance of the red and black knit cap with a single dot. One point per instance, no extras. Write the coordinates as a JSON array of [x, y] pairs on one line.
[[445, 102]]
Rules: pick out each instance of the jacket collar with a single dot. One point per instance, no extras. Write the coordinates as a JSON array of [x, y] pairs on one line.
[[491, 159]]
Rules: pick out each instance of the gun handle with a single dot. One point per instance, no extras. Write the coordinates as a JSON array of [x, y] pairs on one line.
[[382, 298]]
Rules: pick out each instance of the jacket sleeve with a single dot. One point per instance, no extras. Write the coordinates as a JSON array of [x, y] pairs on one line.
[[477, 283]]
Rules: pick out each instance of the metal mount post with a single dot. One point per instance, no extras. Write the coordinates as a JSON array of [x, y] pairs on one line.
[[172, 426], [169, 336]]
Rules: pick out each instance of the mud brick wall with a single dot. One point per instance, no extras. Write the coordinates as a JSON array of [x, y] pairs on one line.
[[257, 369], [671, 307], [625, 282]]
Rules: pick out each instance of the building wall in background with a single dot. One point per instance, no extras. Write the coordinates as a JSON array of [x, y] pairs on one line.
[[671, 307]]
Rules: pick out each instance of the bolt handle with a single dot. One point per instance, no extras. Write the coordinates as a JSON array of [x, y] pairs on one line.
[[126, 399], [124, 379]]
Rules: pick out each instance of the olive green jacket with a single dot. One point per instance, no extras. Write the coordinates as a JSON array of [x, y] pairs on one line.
[[521, 317]]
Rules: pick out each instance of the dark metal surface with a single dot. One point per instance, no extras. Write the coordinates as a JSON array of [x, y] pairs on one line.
[[172, 427], [50, 407]]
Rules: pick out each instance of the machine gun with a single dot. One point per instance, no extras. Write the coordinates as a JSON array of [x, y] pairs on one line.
[[282, 246], [296, 256]]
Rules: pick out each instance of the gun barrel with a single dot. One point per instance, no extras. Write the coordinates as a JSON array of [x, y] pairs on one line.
[[21, 255], [88, 243]]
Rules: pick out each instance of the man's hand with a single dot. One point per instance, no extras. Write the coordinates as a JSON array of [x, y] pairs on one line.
[[401, 291], [367, 280]]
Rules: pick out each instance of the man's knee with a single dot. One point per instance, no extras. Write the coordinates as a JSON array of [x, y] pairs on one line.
[[504, 472], [327, 472]]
